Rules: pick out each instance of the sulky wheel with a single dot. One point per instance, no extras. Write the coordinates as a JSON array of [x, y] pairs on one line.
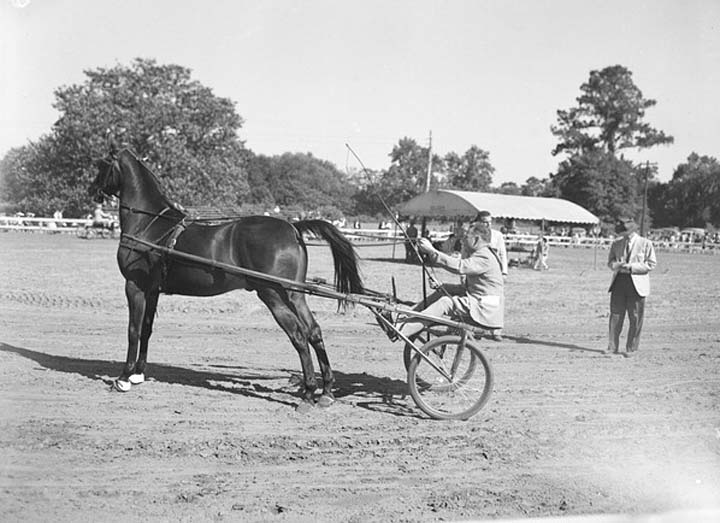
[[420, 339], [453, 381]]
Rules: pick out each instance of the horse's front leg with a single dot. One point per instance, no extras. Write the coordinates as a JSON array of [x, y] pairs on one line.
[[136, 309], [151, 301]]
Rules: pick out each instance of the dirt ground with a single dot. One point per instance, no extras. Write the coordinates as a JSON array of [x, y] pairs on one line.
[[213, 434]]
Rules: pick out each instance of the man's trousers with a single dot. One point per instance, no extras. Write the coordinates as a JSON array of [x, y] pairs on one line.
[[625, 299]]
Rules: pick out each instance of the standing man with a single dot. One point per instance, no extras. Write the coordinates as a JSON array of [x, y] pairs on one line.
[[483, 223], [631, 259]]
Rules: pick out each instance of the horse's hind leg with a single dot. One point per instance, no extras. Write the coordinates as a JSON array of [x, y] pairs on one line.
[[284, 313], [316, 340], [151, 301]]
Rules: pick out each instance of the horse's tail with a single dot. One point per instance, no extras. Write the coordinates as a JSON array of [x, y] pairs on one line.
[[347, 273]]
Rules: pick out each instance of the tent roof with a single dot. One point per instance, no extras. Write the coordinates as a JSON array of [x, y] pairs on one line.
[[452, 204]]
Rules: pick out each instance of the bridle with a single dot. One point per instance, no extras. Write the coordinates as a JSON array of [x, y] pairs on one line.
[[111, 165]]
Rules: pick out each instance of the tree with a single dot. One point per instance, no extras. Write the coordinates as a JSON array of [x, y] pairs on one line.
[[601, 183], [407, 174], [305, 182], [509, 188], [366, 199], [534, 186], [691, 198], [185, 133], [14, 176], [608, 116], [405, 178], [259, 169], [470, 172]]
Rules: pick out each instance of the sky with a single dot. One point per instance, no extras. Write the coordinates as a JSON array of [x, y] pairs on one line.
[[318, 75]]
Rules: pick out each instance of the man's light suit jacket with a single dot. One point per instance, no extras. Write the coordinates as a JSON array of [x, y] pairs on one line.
[[642, 261]]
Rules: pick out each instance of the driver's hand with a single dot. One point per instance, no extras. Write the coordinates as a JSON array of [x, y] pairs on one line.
[[425, 246]]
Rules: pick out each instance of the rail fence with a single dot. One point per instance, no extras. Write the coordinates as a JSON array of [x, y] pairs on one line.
[[47, 225], [526, 242], [371, 237]]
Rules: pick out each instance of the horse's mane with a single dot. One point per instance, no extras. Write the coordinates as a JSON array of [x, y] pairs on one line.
[[153, 178]]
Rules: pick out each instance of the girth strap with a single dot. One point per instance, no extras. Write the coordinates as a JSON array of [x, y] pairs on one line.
[[170, 244]]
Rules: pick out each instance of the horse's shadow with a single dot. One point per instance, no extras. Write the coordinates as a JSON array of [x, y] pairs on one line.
[[272, 385]]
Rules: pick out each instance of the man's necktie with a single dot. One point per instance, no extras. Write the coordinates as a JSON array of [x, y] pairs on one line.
[[627, 250]]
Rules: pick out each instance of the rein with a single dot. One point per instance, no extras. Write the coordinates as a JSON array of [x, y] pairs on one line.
[[428, 271], [169, 238]]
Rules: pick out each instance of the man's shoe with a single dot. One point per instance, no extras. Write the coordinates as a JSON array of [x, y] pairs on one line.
[[391, 334], [628, 354]]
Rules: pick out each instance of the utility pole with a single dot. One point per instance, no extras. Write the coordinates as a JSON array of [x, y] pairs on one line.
[[429, 169]]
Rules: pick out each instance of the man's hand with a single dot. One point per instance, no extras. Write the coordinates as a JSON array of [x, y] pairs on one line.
[[425, 246]]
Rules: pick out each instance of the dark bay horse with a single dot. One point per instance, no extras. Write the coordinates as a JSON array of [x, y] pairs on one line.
[[260, 243]]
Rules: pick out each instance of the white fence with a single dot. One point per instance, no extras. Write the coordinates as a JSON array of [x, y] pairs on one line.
[[526, 242], [23, 223], [517, 242]]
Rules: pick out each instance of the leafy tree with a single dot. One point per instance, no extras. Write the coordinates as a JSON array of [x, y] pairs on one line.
[[366, 199], [405, 178], [185, 133], [301, 180], [31, 183], [609, 116], [509, 188], [470, 172], [259, 170], [534, 186], [599, 182], [14, 176], [691, 198]]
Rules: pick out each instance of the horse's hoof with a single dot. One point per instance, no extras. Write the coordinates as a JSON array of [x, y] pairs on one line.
[[137, 379], [325, 401], [304, 407], [122, 386]]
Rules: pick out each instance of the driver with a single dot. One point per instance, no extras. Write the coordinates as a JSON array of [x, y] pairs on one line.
[[102, 219], [479, 297]]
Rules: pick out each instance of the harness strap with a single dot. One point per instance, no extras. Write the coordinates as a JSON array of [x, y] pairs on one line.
[[173, 236]]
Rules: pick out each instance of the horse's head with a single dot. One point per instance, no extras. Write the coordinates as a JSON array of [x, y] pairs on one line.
[[107, 179]]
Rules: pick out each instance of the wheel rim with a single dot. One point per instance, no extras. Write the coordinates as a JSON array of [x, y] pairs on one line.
[[455, 383]]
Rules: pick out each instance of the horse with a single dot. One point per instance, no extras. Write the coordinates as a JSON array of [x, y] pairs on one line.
[[259, 243]]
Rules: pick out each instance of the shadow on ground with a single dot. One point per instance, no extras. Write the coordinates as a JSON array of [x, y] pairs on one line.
[[559, 345], [372, 392]]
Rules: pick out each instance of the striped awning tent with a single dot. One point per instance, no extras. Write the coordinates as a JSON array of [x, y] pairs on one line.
[[465, 204]]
